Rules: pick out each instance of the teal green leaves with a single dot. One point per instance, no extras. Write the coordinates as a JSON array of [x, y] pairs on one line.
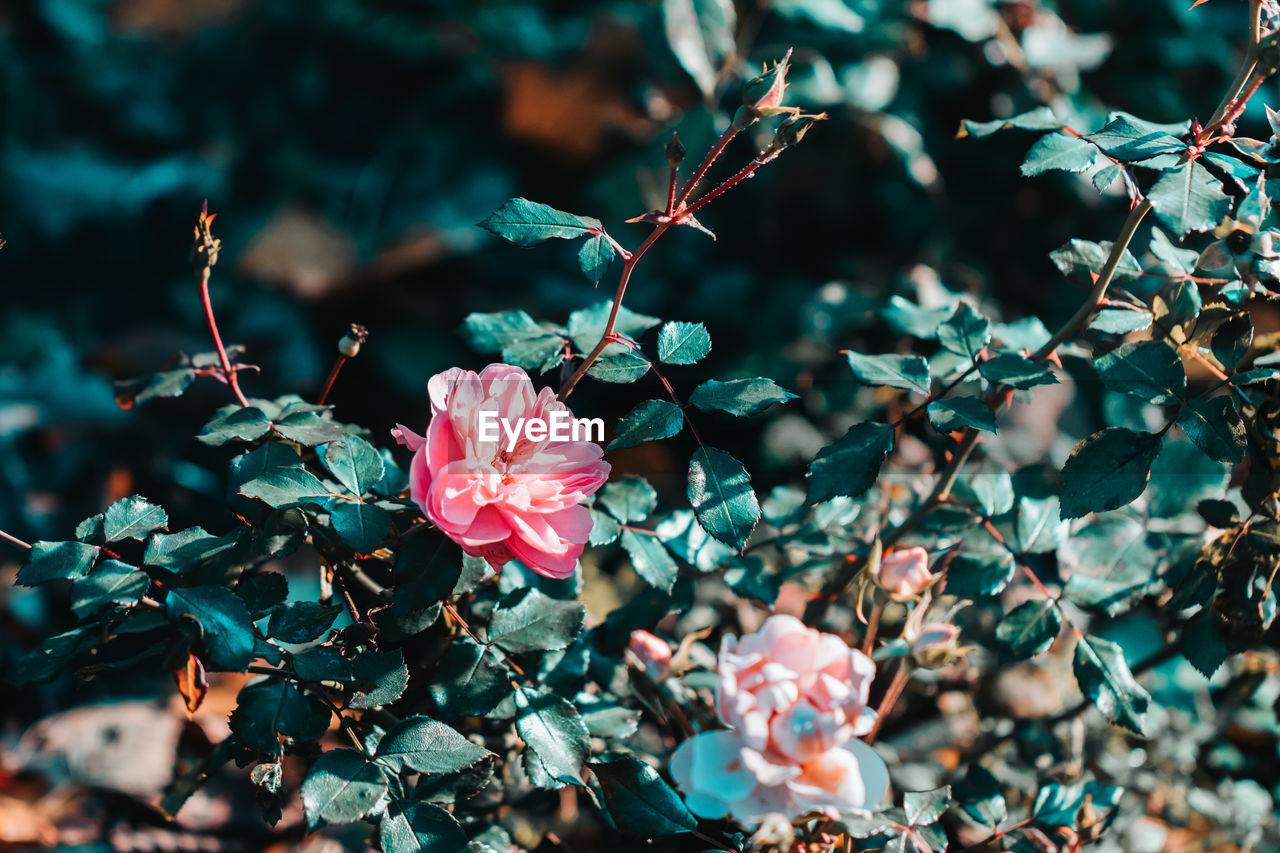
[[850, 465], [47, 561], [739, 397], [1215, 427], [1064, 151], [555, 733], [1189, 198], [223, 620], [721, 496], [528, 223], [955, 413], [353, 462], [1107, 470], [110, 584], [965, 333], [650, 558], [422, 744], [640, 801], [683, 343], [909, 372], [530, 621], [649, 421], [417, 827], [132, 518], [1104, 677], [1148, 369], [1132, 139], [269, 710], [594, 257], [342, 786], [285, 487], [1028, 630], [520, 339]]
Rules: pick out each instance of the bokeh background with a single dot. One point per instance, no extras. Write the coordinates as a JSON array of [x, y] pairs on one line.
[[350, 146]]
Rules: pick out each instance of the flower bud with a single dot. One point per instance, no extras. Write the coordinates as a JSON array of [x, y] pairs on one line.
[[651, 652], [936, 645], [793, 129], [674, 151], [762, 97], [205, 247], [905, 573], [349, 346]]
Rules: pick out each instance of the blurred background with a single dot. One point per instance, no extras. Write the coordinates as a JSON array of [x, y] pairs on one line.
[[350, 146]]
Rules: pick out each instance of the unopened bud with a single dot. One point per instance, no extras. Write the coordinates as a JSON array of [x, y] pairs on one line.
[[651, 652], [205, 247], [904, 574], [762, 97], [674, 151], [349, 346], [793, 129], [937, 644]]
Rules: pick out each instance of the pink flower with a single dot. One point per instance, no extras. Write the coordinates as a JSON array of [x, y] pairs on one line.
[[652, 652], [793, 692], [936, 644], [502, 502], [721, 776], [905, 573]]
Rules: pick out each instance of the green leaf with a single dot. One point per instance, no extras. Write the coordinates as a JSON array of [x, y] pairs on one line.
[[1040, 118], [386, 671], [607, 718], [353, 462], [235, 424], [628, 499], [132, 518], [168, 383], [301, 621], [683, 343], [649, 421], [224, 623], [1062, 151], [955, 413], [966, 331], [527, 223], [185, 549], [271, 708], [1104, 677], [650, 559], [979, 574], [285, 487], [849, 466], [342, 786], [992, 489], [1016, 371], [640, 801], [417, 827], [979, 797], [925, 807], [110, 583], [1189, 198], [309, 429], [594, 257], [48, 561], [909, 372], [739, 397], [701, 35], [1107, 470], [619, 369], [530, 621], [1202, 644], [1028, 630], [427, 746], [1084, 257], [1120, 321], [721, 496], [1215, 427], [361, 526], [604, 528], [555, 733], [1148, 369], [587, 325], [471, 679], [1131, 139], [1231, 340], [521, 340]]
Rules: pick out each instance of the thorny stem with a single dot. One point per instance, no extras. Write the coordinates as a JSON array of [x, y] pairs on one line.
[[701, 171], [899, 683], [227, 369], [747, 171], [333, 375]]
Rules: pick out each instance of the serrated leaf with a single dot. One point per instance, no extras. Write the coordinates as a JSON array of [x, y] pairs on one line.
[[1016, 371], [650, 559], [701, 35], [1028, 630], [594, 257], [587, 325], [427, 746], [1119, 321], [285, 487], [111, 583], [1063, 151], [361, 526], [849, 466], [1085, 257], [1189, 198], [651, 420], [909, 372], [1104, 677], [342, 786], [224, 623], [980, 798], [1040, 118], [385, 671], [739, 397], [47, 561], [1107, 470], [683, 343], [471, 679], [1131, 139], [619, 369], [554, 732], [965, 332], [1202, 645], [309, 429], [925, 807], [628, 499], [418, 827], [1151, 370], [530, 621], [527, 223], [132, 518], [268, 709], [1215, 427], [301, 621], [353, 462], [977, 574], [247, 423], [640, 801], [956, 413], [720, 493]]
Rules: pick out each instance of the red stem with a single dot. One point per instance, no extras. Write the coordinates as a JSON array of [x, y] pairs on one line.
[[227, 369], [746, 172], [723, 141], [333, 375]]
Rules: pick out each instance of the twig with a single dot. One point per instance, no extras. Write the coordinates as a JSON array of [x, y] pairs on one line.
[[14, 540]]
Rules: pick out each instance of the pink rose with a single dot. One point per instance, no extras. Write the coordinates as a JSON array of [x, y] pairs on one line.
[[793, 692], [721, 776], [905, 573], [507, 498], [935, 645], [652, 652]]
